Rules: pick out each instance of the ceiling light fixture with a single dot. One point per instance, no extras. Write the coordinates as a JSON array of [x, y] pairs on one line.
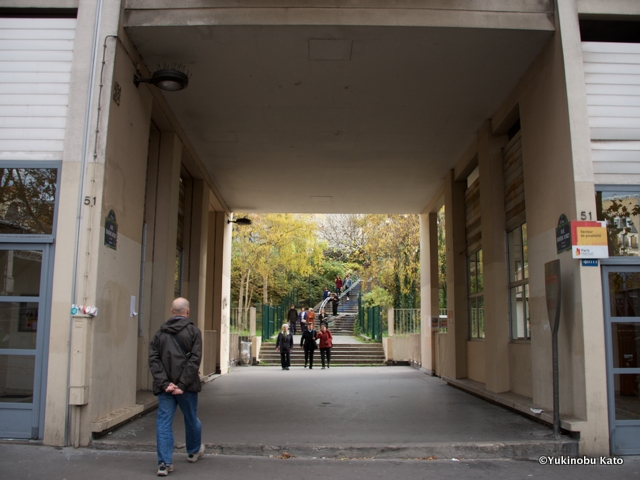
[[240, 221], [168, 79]]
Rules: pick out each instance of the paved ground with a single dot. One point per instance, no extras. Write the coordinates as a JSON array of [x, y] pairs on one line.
[[33, 462], [392, 412]]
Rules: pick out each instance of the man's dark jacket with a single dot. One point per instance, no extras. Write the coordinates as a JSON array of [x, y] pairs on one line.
[[169, 363], [292, 315], [308, 340]]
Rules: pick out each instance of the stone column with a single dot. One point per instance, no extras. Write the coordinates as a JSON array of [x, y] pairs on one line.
[[496, 312], [455, 341]]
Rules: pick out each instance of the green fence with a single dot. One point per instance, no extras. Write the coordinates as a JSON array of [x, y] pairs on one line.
[[370, 321], [269, 318]]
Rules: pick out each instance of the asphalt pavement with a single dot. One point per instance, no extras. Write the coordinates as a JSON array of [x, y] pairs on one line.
[[35, 462]]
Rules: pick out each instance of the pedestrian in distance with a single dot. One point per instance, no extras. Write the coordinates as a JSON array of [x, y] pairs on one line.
[[175, 353], [326, 343], [292, 318], [347, 285], [308, 342], [322, 317], [303, 320], [284, 344], [338, 284], [311, 317], [334, 303], [325, 293]]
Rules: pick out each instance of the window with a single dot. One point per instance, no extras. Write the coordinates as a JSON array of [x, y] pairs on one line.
[[476, 295], [519, 283], [620, 207], [27, 200]]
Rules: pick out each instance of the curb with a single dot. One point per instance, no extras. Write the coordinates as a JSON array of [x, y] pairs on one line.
[[485, 450]]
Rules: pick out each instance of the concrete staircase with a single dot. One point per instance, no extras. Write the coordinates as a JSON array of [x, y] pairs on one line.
[[342, 354]]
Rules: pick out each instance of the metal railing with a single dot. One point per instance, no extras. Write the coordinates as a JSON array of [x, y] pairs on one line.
[[323, 304], [406, 321]]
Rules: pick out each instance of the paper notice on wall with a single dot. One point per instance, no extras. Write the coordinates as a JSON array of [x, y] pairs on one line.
[[589, 239]]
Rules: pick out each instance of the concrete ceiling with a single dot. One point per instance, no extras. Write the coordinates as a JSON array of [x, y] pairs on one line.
[[335, 119]]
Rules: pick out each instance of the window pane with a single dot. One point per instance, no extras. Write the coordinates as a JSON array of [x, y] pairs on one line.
[[16, 378], [525, 252], [480, 284], [527, 318], [480, 317], [18, 325], [626, 396], [516, 261], [20, 272], [27, 200], [519, 320], [626, 344], [473, 288], [624, 290], [473, 333], [622, 214]]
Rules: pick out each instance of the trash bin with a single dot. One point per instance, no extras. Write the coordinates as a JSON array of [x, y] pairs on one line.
[[245, 353]]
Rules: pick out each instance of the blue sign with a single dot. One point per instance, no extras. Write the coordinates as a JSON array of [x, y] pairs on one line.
[[589, 262]]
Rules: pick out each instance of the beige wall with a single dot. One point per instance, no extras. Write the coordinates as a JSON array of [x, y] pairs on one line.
[[476, 369], [520, 368]]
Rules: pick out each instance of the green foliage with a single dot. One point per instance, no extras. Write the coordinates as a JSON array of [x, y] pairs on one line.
[[378, 296]]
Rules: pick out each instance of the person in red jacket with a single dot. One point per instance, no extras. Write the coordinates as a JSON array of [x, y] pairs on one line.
[[338, 284], [326, 342]]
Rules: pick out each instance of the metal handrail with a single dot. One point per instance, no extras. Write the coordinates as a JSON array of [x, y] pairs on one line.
[[328, 299]]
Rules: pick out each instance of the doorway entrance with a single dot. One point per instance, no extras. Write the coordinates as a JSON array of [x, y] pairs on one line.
[[622, 333], [24, 314]]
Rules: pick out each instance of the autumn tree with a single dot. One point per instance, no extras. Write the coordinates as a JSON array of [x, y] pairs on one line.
[[273, 249], [392, 256]]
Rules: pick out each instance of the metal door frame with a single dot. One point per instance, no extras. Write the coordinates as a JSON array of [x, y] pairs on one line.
[[611, 371], [41, 354]]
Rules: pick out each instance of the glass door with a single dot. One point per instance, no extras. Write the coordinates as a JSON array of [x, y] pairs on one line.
[[24, 321], [622, 333]]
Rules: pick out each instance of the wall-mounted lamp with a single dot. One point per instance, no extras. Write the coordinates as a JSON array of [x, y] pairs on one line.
[[167, 79], [240, 221]]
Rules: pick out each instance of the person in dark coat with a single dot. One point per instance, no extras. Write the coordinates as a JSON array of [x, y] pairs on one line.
[[326, 343], [284, 344], [175, 353], [308, 342], [334, 303], [322, 317], [292, 318]]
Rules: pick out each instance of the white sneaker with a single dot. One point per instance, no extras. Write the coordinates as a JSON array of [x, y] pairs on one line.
[[193, 457], [164, 470]]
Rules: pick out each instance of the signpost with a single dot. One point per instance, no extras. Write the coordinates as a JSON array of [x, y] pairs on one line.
[[111, 231], [553, 293], [563, 234]]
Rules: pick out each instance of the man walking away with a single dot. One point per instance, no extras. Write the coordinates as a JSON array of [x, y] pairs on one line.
[[175, 353], [292, 317]]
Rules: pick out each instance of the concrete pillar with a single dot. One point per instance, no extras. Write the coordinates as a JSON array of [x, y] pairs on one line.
[[429, 287], [589, 379], [219, 272], [252, 321], [165, 231], [455, 341], [496, 312], [390, 321]]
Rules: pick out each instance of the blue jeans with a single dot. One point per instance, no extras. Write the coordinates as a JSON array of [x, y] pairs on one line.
[[167, 404]]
